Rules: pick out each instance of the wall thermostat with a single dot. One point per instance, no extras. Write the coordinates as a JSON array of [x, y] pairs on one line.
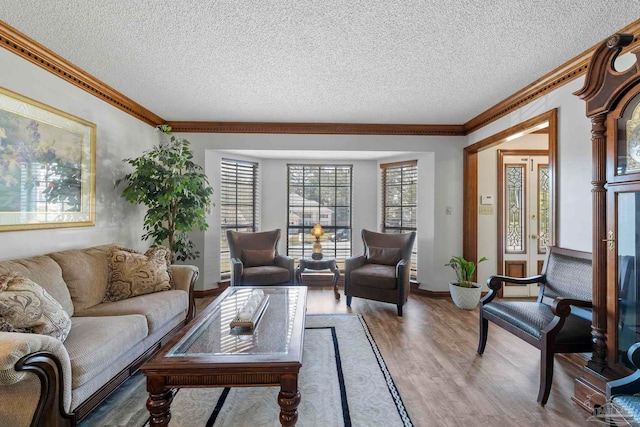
[[486, 200]]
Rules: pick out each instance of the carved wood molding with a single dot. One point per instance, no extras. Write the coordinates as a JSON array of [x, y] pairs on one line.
[[23, 46], [560, 76], [317, 128]]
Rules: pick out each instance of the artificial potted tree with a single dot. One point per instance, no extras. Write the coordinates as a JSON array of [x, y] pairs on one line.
[[465, 293], [175, 191]]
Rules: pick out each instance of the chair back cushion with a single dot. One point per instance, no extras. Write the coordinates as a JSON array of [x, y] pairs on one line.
[[384, 256], [257, 257], [239, 241], [568, 274], [380, 241]]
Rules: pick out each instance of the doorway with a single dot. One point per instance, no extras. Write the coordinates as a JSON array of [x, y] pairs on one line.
[[474, 226], [523, 216]]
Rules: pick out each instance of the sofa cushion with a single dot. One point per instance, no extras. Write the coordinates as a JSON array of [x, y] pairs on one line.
[[85, 272], [384, 256], [44, 271], [24, 304], [132, 274], [265, 275], [97, 342], [158, 308], [258, 257], [374, 276]]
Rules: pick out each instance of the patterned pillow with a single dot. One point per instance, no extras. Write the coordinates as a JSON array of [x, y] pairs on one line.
[[132, 273], [27, 307]]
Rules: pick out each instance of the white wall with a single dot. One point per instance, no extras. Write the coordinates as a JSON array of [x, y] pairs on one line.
[[442, 174], [574, 160], [119, 136], [488, 185]]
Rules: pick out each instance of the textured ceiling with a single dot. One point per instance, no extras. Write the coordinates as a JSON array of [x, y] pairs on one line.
[[357, 61]]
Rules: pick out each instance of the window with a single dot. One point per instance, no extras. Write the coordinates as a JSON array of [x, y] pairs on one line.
[[238, 205], [319, 194], [400, 202]]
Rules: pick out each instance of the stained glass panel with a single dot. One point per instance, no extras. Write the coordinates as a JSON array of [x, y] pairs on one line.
[[543, 208], [515, 176]]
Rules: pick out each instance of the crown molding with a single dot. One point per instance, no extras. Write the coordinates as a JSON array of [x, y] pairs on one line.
[[317, 128], [18, 43], [562, 75]]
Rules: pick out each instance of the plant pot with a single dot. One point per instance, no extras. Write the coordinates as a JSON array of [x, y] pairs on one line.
[[465, 298]]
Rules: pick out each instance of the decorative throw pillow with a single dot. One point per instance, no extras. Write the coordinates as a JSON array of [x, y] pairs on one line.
[[256, 257], [384, 256], [132, 273], [27, 307]]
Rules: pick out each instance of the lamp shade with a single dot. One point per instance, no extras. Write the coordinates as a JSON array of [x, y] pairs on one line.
[[317, 231]]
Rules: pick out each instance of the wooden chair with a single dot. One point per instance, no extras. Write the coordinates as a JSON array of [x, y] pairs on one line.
[[383, 272], [553, 323]]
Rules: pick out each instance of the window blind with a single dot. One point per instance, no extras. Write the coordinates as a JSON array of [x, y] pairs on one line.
[[239, 204], [400, 202]]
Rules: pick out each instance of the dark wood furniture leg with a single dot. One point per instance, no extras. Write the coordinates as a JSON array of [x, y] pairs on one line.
[[299, 275], [336, 277], [159, 402], [289, 399]]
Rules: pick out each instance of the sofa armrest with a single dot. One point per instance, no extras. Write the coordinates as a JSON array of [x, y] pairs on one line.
[[184, 279], [354, 262], [237, 269], [288, 263], [403, 278], [21, 356]]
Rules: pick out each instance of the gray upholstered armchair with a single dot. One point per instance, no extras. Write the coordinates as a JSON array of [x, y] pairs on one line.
[[255, 260], [383, 272]]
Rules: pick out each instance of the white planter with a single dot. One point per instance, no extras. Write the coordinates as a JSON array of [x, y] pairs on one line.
[[465, 298]]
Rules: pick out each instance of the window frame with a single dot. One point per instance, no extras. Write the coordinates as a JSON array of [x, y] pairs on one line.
[[330, 249], [384, 169], [240, 165]]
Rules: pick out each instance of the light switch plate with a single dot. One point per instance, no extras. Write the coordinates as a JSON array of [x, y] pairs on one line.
[[485, 210]]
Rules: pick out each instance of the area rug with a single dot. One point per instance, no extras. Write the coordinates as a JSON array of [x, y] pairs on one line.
[[343, 382]]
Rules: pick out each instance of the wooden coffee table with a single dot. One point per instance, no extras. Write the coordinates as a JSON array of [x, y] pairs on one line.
[[207, 353]]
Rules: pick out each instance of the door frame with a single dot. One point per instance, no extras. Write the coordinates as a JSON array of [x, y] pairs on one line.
[[500, 235], [470, 179]]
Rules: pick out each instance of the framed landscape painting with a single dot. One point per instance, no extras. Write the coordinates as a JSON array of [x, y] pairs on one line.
[[47, 166]]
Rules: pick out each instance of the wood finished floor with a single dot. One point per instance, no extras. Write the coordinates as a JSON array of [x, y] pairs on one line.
[[431, 353]]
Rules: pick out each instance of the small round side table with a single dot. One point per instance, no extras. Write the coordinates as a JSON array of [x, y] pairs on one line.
[[319, 264]]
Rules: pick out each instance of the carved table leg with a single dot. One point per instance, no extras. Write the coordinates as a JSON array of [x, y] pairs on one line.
[[336, 277], [289, 399], [159, 402]]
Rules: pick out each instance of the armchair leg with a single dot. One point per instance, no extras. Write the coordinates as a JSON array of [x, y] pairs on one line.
[[400, 310], [483, 331], [349, 301], [546, 375]]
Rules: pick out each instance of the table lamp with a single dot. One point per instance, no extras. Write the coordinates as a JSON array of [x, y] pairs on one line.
[[317, 232]]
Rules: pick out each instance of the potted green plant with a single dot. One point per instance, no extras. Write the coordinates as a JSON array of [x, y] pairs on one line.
[[175, 191], [465, 293]]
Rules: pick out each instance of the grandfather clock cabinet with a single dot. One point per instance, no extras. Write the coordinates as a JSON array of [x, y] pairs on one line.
[[612, 95]]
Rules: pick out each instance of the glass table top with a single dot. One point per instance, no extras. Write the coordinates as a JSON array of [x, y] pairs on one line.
[[212, 335]]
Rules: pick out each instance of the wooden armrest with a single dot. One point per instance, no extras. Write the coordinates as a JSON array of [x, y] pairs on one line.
[[495, 282], [561, 307], [629, 384]]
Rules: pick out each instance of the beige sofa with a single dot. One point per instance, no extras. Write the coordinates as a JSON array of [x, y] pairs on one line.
[[44, 381]]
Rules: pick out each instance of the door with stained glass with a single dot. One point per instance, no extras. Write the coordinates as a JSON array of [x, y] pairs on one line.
[[525, 219]]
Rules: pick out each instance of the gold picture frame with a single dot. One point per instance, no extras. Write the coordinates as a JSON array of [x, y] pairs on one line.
[[47, 166]]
